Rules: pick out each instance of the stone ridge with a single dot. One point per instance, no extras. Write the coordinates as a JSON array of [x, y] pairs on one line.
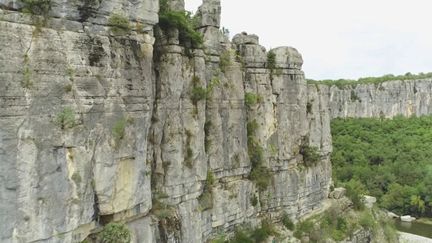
[[387, 99], [98, 127]]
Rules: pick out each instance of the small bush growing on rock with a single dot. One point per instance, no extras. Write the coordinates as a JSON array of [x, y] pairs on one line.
[[66, 118], [271, 63], [262, 233], [355, 191], [367, 220], [207, 140], [68, 88], [259, 174], [303, 228], [115, 233], [162, 210], [183, 22], [27, 82], [254, 200], [37, 7], [198, 93], [225, 60], [119, 24], [271, 60], [309, 107], [310, 155], [333, 223], [206, 199], [257, 235], [118, 130], [251, 99], [287, 222], [219, 239]]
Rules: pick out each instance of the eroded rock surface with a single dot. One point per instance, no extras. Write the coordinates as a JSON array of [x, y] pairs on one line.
[[97, 126]]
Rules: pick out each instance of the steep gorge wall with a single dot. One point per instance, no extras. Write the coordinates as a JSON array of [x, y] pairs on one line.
[[139, 147], [387, 99]]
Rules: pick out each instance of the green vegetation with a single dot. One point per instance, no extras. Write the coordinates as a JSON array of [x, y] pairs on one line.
[[198, 93], [206, 198], [27, 82], [219, 239], [76, 177], [310, 154], [259, 174], [367, 220], [335, 224], [118, 130], [303, 228], [207, 140], [339, 225], [115, 233], [355, 191], [162, 210], [388, 159], [354, 96], [37, 7], [225, 60], [183, 22], [252, 99], [66, 118], [341, 83], [189, 152], [119, 24], [271, 63], [254, 200], [287, 222], [248, 235], [309, 107], [68, 88]]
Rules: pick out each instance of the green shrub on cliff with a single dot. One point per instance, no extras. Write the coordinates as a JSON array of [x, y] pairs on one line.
[[119, 24], [183, 22], [115, 233], [66, 118], [37, 7], [310, 154]]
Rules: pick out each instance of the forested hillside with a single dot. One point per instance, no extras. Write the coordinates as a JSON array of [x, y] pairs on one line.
[[388, 159]]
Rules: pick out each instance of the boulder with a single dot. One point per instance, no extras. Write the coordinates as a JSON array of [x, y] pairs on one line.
[[407, 218], [338, 193], [369, 201]]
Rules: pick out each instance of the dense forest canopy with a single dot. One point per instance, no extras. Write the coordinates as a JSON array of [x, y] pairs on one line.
[[390, 159]]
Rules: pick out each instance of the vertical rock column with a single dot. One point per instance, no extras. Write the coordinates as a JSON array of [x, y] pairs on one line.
[[76, 104]]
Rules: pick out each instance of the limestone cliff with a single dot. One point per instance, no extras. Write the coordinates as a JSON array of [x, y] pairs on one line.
[[99, 126], [387, 99]]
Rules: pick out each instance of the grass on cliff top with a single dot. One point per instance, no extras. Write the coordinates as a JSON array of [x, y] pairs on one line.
[[341, 83], [184, 22]]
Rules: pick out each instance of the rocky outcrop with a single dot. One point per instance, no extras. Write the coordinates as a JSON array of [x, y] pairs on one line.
[[386, 100]]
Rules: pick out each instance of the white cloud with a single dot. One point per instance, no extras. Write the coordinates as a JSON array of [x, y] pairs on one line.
[[340, 38]]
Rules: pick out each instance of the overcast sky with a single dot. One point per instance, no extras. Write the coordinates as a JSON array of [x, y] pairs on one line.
[[339, 38]]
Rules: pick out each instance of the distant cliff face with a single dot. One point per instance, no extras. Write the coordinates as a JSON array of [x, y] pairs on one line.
[[99, 124], [388, 99]]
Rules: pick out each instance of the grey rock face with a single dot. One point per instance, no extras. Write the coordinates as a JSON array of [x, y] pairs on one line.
[[97, 127], [387, 99]]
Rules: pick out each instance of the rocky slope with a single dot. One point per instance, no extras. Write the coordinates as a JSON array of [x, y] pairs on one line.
[[98, 126]]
